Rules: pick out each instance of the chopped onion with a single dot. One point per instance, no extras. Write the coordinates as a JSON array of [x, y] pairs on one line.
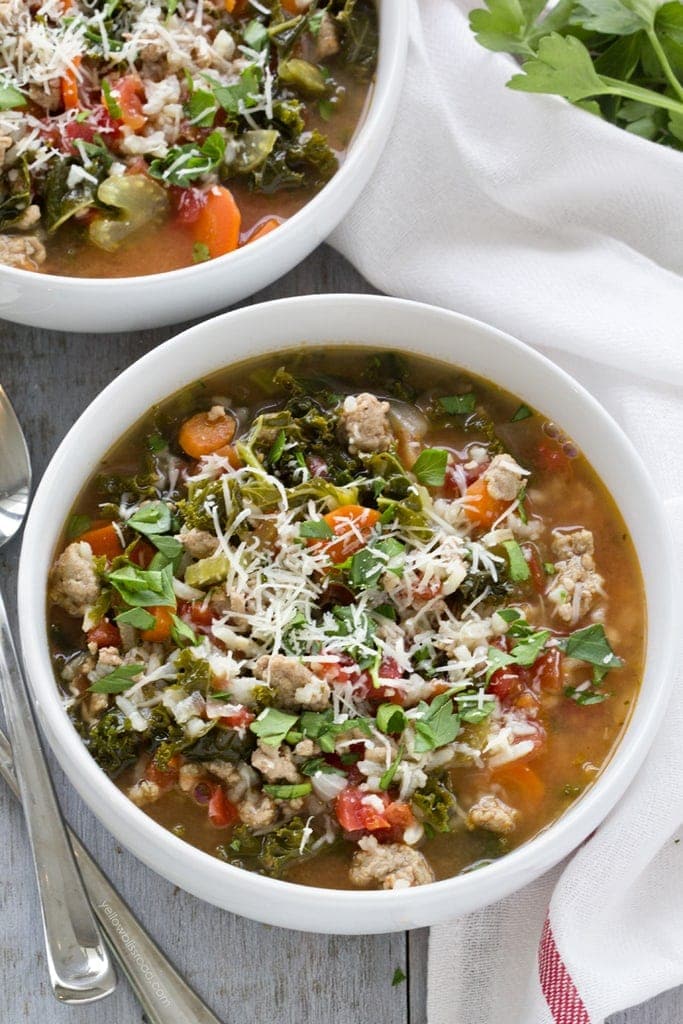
[[327, 786]]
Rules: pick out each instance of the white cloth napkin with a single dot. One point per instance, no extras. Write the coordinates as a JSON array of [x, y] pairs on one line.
[[532, 215]]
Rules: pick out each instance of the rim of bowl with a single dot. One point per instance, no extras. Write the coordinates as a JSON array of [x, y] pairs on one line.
[[381, 109], [274, 899]]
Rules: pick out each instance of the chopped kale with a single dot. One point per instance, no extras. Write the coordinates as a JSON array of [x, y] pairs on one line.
[[435, 803]]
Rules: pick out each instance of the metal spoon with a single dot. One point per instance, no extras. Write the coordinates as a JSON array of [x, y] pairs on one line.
[[162, 993], [78, 961]]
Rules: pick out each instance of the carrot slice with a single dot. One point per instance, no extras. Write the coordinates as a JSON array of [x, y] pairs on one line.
[[161, 630], [229, 452], [522, 785], [202, 434], [263, 229], [219, 222], [481, 508], [352, 526], [104, 541], [70, 97]]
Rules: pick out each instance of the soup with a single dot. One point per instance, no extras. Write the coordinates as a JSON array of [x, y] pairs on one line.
[[347, 618], [140, 136]]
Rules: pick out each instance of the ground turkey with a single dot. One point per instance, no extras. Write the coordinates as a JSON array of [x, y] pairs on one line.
[[492, 814], [504, 478], [364, 424], [198, 543], [258, 810], [276, 764], [393, 866], [73, 582], [575, 569], [295, 685], [24, 251]]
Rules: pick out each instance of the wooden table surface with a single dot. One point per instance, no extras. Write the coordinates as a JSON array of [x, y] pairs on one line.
[[248, 973]]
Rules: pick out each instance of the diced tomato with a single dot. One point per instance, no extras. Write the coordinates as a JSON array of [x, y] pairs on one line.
[[129, 93], [142, 554], [454, 471], [535, 567], [551, 458], [507, 683], [98, 123], [188, 203], [221, 811], [104, 634], [547, 670], [238, 719], [356, 816], [200, 616], [164, 778]]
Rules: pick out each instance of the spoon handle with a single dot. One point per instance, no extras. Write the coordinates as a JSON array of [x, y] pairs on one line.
[[78, 961], [162, 993]]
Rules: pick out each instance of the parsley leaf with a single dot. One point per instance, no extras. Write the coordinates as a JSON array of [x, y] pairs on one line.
[[288, 792], [141, 588], [121, 679], [591, 644], [518, 566], [136, 617], [316, 528], [272, 726], [430, 466], [151, 518], [522, 413], [459, 405], [438, 725], [388, 776]]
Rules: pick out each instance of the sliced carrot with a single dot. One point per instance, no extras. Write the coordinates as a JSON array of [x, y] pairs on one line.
[[201, 435], [347, 523], [70, 97], [291, 6], [481, 508], [229, 452], [161, 630], [263, 229], [219, 222], [522, 785], [104, 541], [129, 93]]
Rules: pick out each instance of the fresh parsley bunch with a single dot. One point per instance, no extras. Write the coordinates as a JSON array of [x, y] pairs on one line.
[[619, 59]]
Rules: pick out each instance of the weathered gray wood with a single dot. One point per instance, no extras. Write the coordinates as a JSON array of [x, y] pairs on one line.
[[249, 973]]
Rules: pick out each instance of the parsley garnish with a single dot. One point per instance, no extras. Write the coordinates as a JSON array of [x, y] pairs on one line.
[[518, 566], [288, 792], [522, 413], [272, 726], [459, 405], [317, 528], [438, 725], [151, 518], [430, 466], [121, 679]]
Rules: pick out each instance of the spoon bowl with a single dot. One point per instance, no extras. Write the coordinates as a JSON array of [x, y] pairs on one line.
[[15, 471]]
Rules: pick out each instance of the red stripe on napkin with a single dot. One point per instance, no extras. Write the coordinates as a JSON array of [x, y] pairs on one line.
[[564, 1002]]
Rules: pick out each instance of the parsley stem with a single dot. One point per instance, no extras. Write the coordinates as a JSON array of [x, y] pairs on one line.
[[615, 87], [664, 61]]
